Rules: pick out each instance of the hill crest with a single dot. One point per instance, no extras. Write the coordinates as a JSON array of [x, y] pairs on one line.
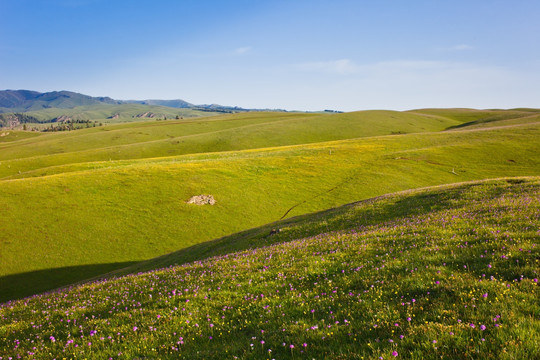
[[26, 100]]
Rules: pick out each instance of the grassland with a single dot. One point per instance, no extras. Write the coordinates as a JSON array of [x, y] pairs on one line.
[[104, 113], [13, 135], [92, 216], [448, 272], [220, 133], [215, 134]]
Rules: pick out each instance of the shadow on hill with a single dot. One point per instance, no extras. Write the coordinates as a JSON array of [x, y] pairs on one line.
[[369, 212], [35, 282], [354, 216]]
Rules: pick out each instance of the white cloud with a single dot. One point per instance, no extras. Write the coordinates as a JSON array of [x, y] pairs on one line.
[[406, 84], [242, 50], [459, 47], [342, 66], [349, 67], [463, 47]]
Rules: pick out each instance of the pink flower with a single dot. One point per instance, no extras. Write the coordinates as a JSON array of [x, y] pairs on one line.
[[394, 353]]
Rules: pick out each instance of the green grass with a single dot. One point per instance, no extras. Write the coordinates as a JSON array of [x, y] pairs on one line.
[[449, 272], [14, 135], [468, 116], [126, 112], [221, 133], [118, 212]]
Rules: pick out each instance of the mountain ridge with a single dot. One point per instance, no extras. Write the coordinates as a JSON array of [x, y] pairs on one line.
[[29, 100]]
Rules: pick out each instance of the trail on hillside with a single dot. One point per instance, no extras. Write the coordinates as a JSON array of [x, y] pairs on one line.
[[345, 181]]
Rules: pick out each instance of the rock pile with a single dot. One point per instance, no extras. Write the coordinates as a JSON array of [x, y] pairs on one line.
[[202, 200]]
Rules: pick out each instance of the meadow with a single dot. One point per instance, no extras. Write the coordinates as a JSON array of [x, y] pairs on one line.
[[445, 272], [214, 134], [104, 113], [92, 216]]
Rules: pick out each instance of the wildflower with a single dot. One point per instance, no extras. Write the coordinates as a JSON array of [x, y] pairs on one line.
[[394, 353], [135, 328], [482, 327]]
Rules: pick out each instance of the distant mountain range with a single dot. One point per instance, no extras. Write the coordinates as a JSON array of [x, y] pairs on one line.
[[27, 100]]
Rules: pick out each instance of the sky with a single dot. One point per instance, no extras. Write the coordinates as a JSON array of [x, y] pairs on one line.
[[287, 54]]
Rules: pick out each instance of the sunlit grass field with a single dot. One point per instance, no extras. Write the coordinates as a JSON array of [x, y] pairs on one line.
[[448, 272], [104, 113], [68, 217], [213, 134]]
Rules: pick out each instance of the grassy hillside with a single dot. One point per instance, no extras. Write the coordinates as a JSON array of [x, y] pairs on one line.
[[220, 133], [449, 272], [13, 135], [104, 112], [95, 217]]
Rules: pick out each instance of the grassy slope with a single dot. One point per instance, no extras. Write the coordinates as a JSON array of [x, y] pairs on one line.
[[231, 132], [101, 112], [450, 272], [129, 211], [13, 135]]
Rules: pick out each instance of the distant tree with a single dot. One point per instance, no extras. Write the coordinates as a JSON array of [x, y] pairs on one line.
[[24, 127]]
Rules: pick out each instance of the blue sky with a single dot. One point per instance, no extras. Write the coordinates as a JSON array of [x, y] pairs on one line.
[[293, 54]]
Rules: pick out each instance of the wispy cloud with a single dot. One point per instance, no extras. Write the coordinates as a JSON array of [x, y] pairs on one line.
[[242, 50], [350, 67], [405, 84], [341, 66], [459, 47]]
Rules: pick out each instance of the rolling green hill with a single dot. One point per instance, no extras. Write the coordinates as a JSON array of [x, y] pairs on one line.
[[13, 135], [445, 272], [471, 118], [214, 134], [110, 114], [92, 216]]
